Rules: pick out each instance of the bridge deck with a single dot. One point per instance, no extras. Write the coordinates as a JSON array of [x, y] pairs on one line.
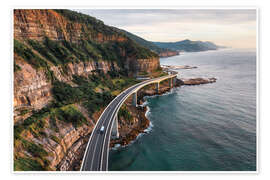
[[97, 150]]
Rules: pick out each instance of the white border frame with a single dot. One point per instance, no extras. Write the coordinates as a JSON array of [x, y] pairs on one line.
[[258, 88]]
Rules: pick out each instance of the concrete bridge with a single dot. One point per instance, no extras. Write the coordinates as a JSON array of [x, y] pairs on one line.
[[97, 151]]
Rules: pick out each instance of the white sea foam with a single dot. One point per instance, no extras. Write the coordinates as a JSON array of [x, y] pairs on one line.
[[147, 113], [149, 129], [164, 94], [146, 131]]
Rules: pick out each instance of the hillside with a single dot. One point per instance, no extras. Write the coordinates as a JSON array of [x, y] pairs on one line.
[[162, 52], [188, 45], [67, 67]]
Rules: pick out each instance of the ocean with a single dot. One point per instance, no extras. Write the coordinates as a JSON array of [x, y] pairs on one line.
[[210, 127]]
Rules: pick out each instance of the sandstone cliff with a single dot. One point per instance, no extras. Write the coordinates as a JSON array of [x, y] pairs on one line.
[[35, 24], [168, 54], [56, 45], [31, 85]]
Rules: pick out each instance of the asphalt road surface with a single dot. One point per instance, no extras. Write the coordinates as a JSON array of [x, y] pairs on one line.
[[97, 150]]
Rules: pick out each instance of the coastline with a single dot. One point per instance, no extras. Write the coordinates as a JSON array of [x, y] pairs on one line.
[[142, 109], [145, 124]]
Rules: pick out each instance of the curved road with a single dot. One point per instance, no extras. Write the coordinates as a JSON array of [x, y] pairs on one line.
[[97, 150]]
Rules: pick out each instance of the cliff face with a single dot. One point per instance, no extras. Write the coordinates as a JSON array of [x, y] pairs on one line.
[[62, 144], [52, 46], [35, 24], [143, 65], [31, 87], [168, 54]]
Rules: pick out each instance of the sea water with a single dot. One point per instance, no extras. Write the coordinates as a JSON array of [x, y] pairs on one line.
[[210, 127]]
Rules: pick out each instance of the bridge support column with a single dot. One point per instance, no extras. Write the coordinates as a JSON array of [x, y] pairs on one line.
[[115, 133], [134, 99], [157, 87]]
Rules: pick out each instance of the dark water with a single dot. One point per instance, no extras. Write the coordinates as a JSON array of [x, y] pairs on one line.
[[208, 127]]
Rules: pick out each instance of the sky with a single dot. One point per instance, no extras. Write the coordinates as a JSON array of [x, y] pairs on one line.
[[234, 28]]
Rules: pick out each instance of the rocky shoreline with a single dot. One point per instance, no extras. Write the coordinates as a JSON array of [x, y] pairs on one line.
[[144, 121], [175, 67], [141, 121], [198, 81]]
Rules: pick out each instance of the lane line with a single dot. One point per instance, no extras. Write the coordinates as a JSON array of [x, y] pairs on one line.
[[111, 120], [110, 126], [86, 150], [95, 147], [144, 83], [139, 87]]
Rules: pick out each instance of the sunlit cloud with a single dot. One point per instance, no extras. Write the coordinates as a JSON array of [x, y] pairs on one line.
[[229, 27]]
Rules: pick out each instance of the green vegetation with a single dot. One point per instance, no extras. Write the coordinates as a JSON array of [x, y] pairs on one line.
[[147, 44], [28, 55], [23, 112], [27, 164], [37, 161], [34, 149], [188, 46], [56, 139], [124, 112], [93, 92], [62, 52], [32, 58], [144, 73], [44, 51], [136, 50], [85, 91], [92, 24], [35, 124], [62, 108], [53, 124], [70, 114], [16, 67], [65, 94]]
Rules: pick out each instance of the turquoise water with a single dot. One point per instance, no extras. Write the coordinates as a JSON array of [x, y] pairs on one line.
[[209, 127]]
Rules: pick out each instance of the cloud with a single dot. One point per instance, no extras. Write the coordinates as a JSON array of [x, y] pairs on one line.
[[216, 25]]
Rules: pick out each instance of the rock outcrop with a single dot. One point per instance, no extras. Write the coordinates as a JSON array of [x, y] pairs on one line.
[[168, 53], [142, 65], [198, 81], [37, 23], [63, 145], [32, 89], [129, 130]]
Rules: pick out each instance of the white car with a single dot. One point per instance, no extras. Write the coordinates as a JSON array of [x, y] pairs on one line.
[[101, 129]]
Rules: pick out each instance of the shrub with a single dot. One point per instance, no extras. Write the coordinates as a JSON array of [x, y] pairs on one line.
[[70, 114], [59, 51], [44, 51], [34, 149], [16, 67], [123, 112], [66, 94], [28, 55], [27, 164], [56, 139], [53, 123]]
